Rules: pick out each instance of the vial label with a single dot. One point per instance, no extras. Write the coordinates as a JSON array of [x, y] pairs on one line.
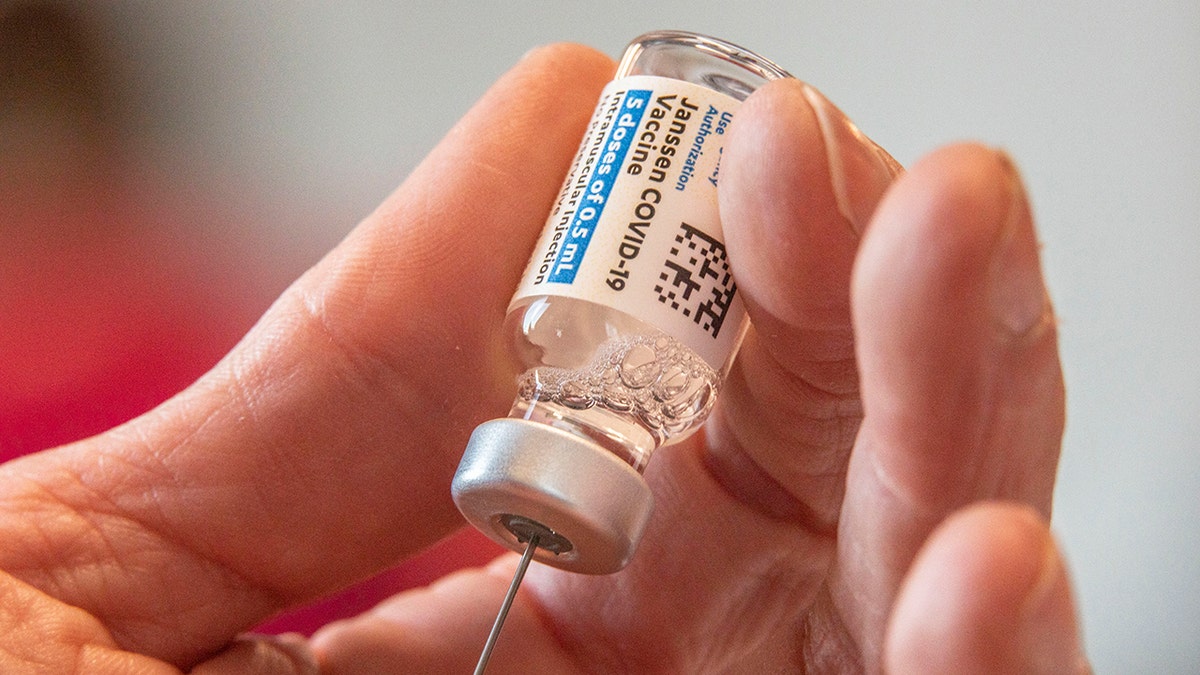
[[636, 226]]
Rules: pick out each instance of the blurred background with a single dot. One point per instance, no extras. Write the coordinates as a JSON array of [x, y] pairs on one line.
[[166, 168]]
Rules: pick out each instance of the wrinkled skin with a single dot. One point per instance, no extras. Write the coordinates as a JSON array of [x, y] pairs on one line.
[[872, 493]]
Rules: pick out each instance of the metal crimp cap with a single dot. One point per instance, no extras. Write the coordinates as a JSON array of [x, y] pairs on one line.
[[516, 475]]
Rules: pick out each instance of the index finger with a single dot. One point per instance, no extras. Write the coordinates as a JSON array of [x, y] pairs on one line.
[[321, 449]]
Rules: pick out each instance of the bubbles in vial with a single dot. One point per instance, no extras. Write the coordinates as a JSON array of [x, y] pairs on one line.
[[655, 380], [616, 399], [673, 380], [639, 367], [576, 394]]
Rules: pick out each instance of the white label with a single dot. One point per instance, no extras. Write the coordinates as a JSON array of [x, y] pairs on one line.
[[636, 226]]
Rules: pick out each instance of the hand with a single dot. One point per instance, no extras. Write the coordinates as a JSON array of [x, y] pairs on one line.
[[872, 493]]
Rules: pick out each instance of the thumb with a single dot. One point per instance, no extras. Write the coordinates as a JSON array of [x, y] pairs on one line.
[[988, 593]]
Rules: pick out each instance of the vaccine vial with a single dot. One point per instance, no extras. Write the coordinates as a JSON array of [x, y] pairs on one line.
[[627, 317]]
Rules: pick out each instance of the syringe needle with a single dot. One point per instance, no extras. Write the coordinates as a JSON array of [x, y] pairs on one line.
[[504, 607]]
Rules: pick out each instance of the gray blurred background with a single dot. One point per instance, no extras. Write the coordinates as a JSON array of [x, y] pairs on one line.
[[303, 116]]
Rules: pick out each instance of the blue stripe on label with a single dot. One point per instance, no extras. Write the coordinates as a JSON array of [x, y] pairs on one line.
[[612, 153]]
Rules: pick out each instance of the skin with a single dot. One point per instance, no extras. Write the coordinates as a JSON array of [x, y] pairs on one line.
[[872, 494]]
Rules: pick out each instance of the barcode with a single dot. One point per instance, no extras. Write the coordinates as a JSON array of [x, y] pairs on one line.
[[696, 280]]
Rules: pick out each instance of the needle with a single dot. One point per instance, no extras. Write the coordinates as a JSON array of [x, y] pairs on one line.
[[504, 607]]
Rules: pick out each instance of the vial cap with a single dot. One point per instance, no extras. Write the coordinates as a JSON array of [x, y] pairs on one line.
[[516, 472]]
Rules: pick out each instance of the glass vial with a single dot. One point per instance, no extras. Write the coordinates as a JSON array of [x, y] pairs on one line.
[[627, 318]]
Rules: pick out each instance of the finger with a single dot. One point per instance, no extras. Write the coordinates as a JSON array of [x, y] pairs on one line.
[[321, 449], [988, 593], [798, 184], [961, 382], [287, 654], [443, 628]]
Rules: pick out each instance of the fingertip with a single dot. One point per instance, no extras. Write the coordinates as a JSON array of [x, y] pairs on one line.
[[567, 67], [988, 593], [799, 182], [571, 56], [949, 277], [924, 282], [287, 654], [442, 628], [770, 109], [768, 149], [779, 213], [942, 217], [431, 627], [962, 177]]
